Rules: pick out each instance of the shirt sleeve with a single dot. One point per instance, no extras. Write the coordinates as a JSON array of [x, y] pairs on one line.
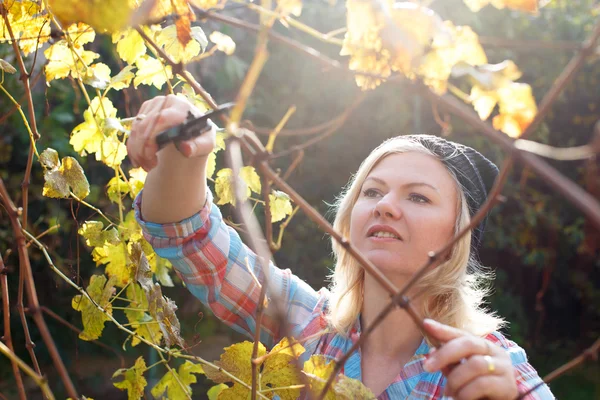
[[217, 268], [527, 377]]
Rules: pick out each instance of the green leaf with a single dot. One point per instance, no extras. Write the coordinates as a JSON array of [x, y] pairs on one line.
[[93, 319], [133, 379], [173, 381], [280, 205]]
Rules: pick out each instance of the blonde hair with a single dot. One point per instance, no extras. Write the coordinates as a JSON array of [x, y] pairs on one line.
[[454, 291]]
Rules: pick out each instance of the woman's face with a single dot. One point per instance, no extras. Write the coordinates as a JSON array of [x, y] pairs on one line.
[[406, 208]]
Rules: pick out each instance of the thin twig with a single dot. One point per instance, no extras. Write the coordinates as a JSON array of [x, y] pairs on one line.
[[7, 335], [34, 305], [41, 381]]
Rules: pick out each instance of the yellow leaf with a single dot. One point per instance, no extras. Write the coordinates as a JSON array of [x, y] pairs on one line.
[[188, 93], [29, 22], [224, 184], [517, 109], [223, 42], [88, 137], [123, 79], [103, 15], [224, 187], [280, 370], [462, 44], [112, 151], [116, 259], [151, 72], [95, 236], [173, 381], [6, 67], [93, 319], [62, 62], [97, 76], [318, 369], [61, 178], [351, 389], [36, 32], [237, 360], [204, 4], [130, 230], [168, 39], [49, 158], [81, 34], [530, 6], [116, 188], [488, 76], [161, 308], [483, 101], [213, 392], [148, 329], [130, 45], [137, 177], [280, 205], [211, 164], [251, 178], [133, 379]]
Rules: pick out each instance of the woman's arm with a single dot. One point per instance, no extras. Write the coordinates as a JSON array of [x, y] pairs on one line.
[[180, 221]]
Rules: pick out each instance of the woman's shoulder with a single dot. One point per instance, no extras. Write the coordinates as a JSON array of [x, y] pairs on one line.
[[516, 352]]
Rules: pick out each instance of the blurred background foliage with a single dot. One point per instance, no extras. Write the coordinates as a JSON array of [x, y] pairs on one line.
[[544, 252]]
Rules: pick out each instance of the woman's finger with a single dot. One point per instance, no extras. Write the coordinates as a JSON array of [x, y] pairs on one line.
[[455, 351], [471, 369], [441, 332], [491, 387]]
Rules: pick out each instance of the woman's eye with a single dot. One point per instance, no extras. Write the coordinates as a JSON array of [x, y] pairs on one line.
[[418, 198], [370, 193]]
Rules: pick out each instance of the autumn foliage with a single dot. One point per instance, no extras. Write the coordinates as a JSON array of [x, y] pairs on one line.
[[383, 40]]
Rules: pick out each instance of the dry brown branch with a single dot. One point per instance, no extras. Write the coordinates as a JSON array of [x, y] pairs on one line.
[[41, 381], [7, 338], [34, 305], [528, 45], [552, 177], [591, 353]]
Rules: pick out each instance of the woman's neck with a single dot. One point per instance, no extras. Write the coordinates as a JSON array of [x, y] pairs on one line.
[[397, 336]]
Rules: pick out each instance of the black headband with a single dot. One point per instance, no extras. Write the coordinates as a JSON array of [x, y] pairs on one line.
[[475, 173]]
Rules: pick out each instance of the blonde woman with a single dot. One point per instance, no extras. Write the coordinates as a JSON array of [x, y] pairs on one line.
[[409, 196]]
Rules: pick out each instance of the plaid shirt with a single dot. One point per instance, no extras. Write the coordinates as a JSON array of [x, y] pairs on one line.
[[211, 259]]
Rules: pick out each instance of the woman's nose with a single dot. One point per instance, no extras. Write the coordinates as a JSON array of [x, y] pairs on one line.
[[386, 207]]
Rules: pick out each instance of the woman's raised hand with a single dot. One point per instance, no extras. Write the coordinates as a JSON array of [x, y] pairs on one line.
[[474, 367], [157, 115]]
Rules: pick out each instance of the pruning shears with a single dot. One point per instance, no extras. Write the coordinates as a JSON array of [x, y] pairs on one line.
[[191, 128]]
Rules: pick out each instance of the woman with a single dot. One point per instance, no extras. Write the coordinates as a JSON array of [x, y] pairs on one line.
[[410, 196]]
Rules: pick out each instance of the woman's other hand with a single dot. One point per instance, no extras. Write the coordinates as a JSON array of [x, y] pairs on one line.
[[474, 367], [157, 115]]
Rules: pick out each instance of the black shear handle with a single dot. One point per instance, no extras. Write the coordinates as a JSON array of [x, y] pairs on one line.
[[191, 128]]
